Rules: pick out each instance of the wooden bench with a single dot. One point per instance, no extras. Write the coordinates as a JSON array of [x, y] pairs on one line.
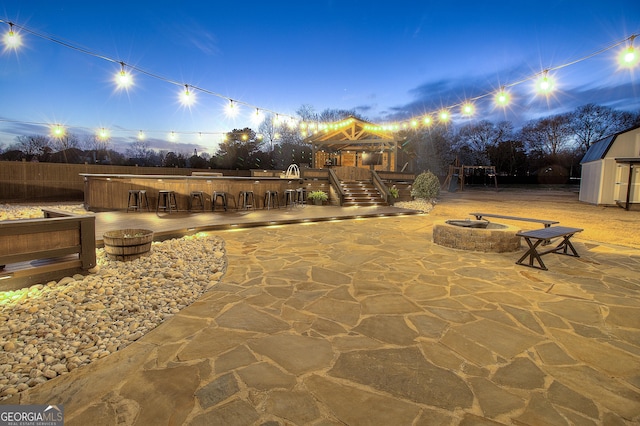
[[538, 236], [546, 223], [44, 249]]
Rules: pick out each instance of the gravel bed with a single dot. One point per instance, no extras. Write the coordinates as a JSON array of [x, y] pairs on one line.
[[47, 330], [425, 206]]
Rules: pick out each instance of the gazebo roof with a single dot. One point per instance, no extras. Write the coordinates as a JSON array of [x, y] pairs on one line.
[[353, 134]]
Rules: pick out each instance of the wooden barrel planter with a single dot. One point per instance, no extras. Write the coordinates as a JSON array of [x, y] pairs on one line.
[[127, 244]]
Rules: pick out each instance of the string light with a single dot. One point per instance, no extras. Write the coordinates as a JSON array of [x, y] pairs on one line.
[[123, 78], [187, 98], [231, 110], [103, 134], [57, 131], [545, 85], [12, 40], [141, 135], [257, 117], [468, 108], [503, 97], [628, 58], [444, 115]]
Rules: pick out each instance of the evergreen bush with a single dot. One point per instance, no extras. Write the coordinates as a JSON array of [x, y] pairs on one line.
[[426, 185]]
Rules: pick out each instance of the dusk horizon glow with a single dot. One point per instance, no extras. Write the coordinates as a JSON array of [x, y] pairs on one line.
[[183, 77]]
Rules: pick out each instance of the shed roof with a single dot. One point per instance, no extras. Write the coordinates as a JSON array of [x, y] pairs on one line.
[[598, 150]]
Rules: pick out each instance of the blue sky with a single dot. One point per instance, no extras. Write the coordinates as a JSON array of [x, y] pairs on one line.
[[388, 60]]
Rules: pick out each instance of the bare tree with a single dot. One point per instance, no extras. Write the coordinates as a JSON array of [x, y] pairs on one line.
[[269, 131], [549, 135], [430, 148], [481, 136], [138, 150], [591, 123], [34, 145], [98, 146], [64, 143]]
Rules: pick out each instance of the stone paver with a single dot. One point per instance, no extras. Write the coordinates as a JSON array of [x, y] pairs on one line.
[[368, 322]]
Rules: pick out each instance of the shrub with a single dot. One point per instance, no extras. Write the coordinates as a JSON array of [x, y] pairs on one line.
[[317, 195], [394, 192], [426, 185]]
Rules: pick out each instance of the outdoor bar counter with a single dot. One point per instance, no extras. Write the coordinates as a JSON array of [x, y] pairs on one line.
[[104, 192]]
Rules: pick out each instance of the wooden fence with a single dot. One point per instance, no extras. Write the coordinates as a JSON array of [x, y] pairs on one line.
[[22, 181]]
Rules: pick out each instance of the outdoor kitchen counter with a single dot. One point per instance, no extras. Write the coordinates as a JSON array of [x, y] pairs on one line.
[[104, 192]]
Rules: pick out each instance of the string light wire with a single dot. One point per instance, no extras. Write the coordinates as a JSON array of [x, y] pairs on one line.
[[231, 102]]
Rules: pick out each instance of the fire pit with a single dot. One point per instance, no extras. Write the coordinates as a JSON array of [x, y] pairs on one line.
[[476, 235]]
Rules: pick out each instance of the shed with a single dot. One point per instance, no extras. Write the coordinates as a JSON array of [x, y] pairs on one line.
[[610, 170]]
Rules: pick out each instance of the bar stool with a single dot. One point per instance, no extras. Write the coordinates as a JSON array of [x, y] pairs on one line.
[[137, 197], [301, 196], [271, 200], [290, 197], [246, 200], [196, 196], [214, 198], [167, 201]]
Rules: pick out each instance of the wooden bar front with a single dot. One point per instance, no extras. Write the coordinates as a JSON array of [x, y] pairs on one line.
[[104, 192]]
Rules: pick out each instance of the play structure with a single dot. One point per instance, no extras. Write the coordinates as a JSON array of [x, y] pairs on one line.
[[456, 177]]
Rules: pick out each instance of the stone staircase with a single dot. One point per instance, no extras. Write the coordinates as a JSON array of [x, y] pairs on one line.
[[361, 193]]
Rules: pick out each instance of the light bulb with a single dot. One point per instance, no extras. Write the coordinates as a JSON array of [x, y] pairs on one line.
[[544, 85], [12, 40], [57, 131], [629, 57], [141, 135], [427, 120], [502, 97], [444, 115], [231, 110], [468, 108], [123, 78], [187, 98]]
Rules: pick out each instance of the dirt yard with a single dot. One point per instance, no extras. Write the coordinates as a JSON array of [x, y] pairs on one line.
[[609, 225]]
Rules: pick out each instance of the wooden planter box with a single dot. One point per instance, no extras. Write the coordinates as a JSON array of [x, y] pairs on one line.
[[40, 250]]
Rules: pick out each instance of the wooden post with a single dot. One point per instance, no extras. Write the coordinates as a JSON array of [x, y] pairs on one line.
[[626, 206]]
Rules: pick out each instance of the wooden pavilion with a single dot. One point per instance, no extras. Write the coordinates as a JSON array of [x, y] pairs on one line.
[[354, 143]]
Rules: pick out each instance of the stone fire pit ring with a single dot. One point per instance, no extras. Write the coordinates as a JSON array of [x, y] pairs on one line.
[[476, 235]]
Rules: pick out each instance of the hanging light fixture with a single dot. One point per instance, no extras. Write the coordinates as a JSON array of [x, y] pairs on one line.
[[12, 40], [187, 98], [544, 85], [231, 110], [103, 134], [630, 56], [123, 78], [502, 97], [57, 131], [468, 109]]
